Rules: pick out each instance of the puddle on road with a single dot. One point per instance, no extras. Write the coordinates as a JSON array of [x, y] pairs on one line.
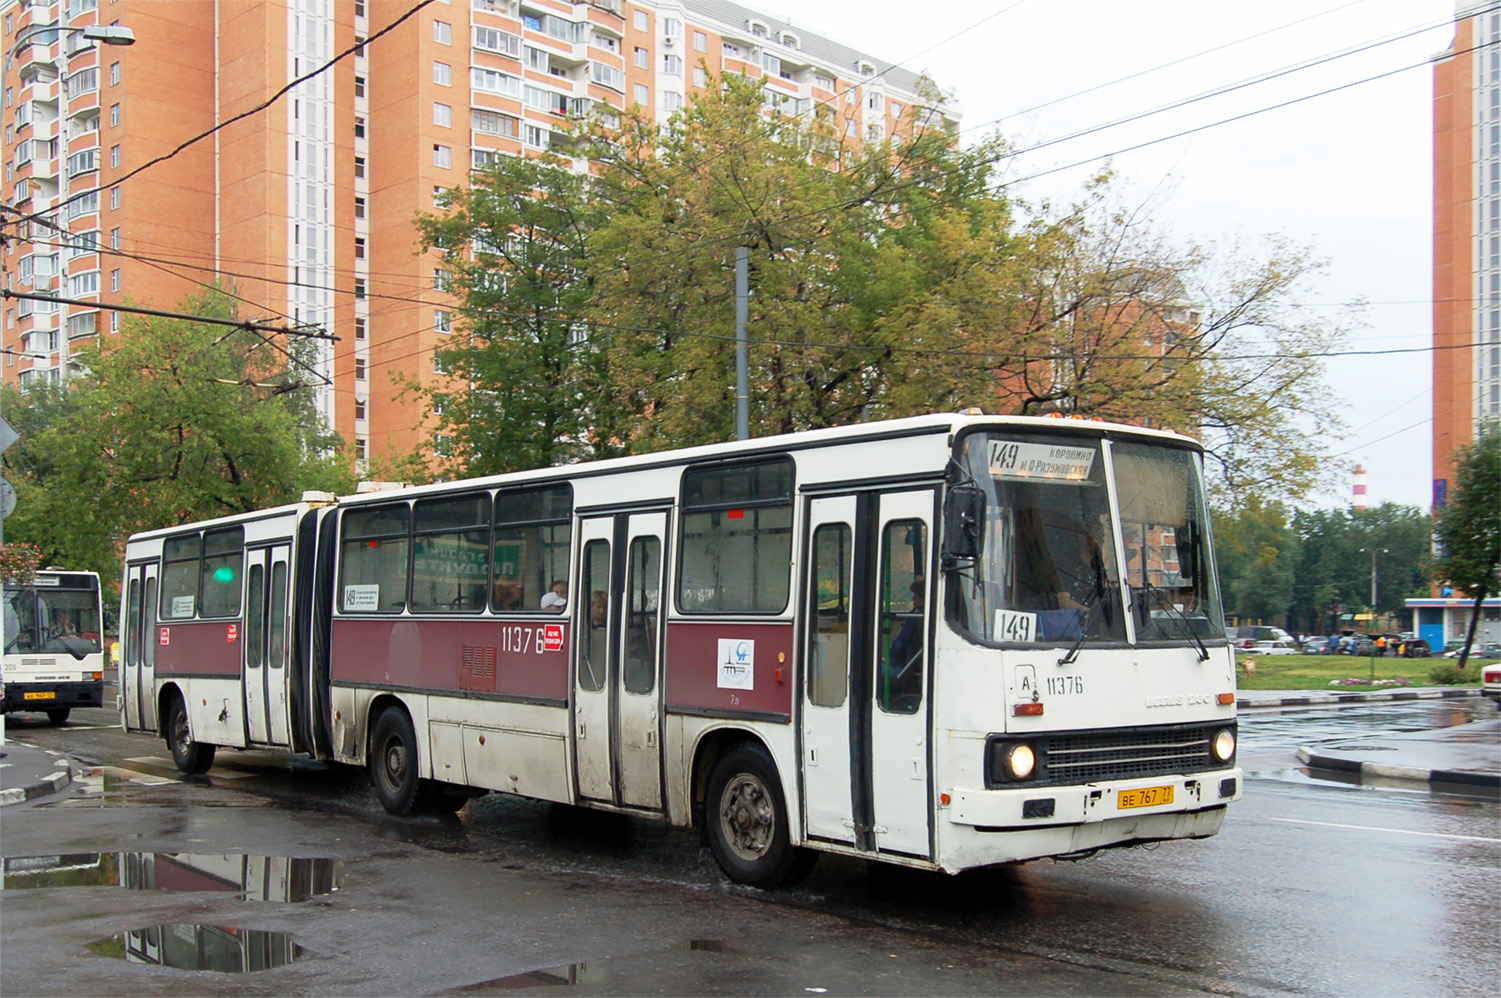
[[251, 878], [572, 973], [191, 946]]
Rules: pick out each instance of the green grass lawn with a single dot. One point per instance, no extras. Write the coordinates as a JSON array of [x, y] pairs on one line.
[[1315, 672]]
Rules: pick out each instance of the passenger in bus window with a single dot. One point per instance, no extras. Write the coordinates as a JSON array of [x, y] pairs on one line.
[[907, 645], [510, 597], [599, 608], [556, 598]]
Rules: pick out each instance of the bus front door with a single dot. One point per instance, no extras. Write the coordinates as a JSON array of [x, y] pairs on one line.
[[866, 697], [264, 645], [618, 658], [137, 671]]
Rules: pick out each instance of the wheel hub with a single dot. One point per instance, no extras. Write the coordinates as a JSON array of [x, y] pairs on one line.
[[747, 817]]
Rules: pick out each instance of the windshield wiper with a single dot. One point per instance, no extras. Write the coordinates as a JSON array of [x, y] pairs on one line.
[[1092, 600], [1176, 615]]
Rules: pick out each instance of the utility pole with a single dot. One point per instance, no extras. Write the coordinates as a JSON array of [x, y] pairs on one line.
[[1373, 553], [742, 345]]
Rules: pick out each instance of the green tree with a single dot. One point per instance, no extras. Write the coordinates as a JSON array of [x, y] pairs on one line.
[[516, 245], [1258, 553], [1334, 572], [172, 421], [1469, 527]]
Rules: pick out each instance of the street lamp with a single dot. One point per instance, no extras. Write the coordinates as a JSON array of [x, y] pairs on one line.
[[105, 34], [1374, 552]]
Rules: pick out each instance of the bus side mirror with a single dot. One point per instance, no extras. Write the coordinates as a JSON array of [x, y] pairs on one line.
[[963, 524]]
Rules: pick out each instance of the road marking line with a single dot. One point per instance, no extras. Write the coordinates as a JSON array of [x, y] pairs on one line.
[[1396, 831]]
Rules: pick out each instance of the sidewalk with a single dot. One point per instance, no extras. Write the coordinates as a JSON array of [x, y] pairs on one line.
[[26, 772]]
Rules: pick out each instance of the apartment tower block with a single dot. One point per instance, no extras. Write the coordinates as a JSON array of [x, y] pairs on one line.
[[305, 206]]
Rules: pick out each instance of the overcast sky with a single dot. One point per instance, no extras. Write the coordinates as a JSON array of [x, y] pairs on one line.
[[1348, 173]]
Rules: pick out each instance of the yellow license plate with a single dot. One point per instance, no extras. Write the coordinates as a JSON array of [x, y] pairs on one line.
[[1145, 797], [48, 695]]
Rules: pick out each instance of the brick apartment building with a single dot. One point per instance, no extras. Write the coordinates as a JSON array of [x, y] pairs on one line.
[[307, 207], [1466, 274]]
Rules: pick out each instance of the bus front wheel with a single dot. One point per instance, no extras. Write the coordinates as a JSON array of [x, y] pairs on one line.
[[192, 758], [393, 761], [747, 822]]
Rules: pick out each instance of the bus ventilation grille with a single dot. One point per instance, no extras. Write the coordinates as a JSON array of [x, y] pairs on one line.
[[1126, 753]]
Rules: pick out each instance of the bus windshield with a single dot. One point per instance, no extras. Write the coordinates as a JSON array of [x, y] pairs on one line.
[[45, 619], [1049, 570]]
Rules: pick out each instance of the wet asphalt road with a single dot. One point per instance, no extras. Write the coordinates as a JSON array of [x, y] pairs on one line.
[[1313, 887]]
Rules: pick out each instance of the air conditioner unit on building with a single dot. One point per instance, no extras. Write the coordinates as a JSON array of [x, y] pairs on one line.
[[669, 40]]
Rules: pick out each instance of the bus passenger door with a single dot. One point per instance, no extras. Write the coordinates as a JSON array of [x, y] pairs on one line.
[[827, 792], [591, 653], [137, 673], [637, 741], [900, 757], [253, 647], [278, 670]]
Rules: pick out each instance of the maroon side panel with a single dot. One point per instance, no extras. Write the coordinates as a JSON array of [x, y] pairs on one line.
[[172, 875], [695, 669], [527, 659], [199, 648]]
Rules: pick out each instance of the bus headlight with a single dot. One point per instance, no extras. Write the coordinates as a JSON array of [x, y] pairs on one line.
[[1020, 761], [1223, 745]]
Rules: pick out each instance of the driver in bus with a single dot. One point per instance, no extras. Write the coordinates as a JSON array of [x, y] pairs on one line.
[[1081, 573]]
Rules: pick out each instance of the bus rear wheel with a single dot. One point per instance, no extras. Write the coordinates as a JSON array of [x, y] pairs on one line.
[[393, 761], [59, 716], [192, 758], [747, 822]]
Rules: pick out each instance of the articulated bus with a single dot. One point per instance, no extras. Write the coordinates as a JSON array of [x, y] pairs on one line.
[[54, 653], [946, 642]]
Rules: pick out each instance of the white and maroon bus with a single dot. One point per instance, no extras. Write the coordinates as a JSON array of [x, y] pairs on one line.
[[946, 642]]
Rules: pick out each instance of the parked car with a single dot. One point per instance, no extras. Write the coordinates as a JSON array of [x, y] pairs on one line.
[[1416, 648], [1262, 640], [1481, 649], [1318, 646], [1278, 647], [1490, 680]]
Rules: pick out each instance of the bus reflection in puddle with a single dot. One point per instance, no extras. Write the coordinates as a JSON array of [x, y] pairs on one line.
[[190, 946], [253, 878]]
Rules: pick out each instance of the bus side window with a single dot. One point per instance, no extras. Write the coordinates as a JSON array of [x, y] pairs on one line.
[[373, 559], [148, 643]]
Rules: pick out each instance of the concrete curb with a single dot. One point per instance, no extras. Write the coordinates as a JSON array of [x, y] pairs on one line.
[[1388, 771], [38, 785], [1385, 696]]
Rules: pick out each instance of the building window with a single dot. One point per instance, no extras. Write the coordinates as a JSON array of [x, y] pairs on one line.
[[114, 198], [442, 321], [499, 42], [359, 369], [895, 109], [442, 74], [359, 46], [359, 207], [492, 123], [442, 156], [361, 448], [83, 284], [535, 136], [672, 64], [359, 329], [114, 322], [491, 82], [643, 96], [114, 156], [359, 86], [359, 126], [359, 167], [114, 239], [824, 82], [671, 27], [441, 280], [643, 58], [537, 59], [114, 74], [114, 115], [442, 115], [642, 23], [359, 288], [114, 280], [700, 77], [700, 42], [442, 32], [874, 101], [438, 193], [671, 100], [359, 247], [359, 408]]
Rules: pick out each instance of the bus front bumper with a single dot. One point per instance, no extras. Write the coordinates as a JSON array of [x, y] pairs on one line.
[[1041, 807], [21, 697]]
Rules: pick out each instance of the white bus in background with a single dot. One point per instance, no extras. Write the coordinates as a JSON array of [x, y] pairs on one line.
[[946, 642], [54, 644]]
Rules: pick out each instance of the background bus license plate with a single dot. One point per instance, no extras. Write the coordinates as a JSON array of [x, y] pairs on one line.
[[1145, 797], [49, 695]]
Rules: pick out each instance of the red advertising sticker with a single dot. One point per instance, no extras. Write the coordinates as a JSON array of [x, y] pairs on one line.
[[552, 637], [166, 637], [232, 633]]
